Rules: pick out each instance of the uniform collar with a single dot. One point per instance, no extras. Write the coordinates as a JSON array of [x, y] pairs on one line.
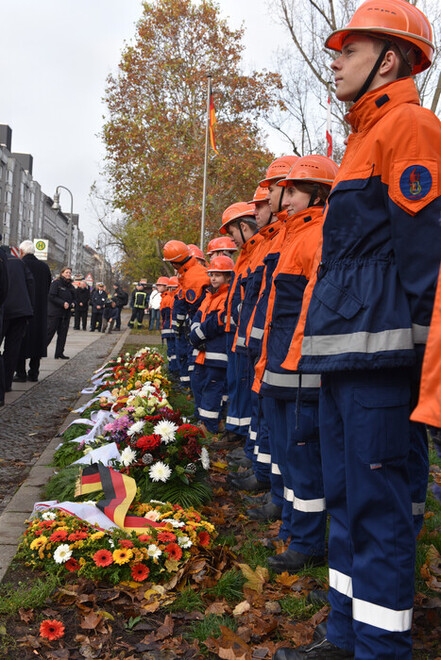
[[375, 104], [272, 228], [303, 217]]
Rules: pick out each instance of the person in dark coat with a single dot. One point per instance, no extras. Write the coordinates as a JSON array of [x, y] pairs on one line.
[[61, 301], [121, 299], [18, 309], [4, 285], [34, 344], [82, 297], [98, 301], [110, 316]]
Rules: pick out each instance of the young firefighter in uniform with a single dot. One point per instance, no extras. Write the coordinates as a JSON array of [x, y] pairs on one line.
[[239, 222], [365, 326], [193, 280], [294, 436], [270, 222], [167, 316], [221, 246], [208, 336]]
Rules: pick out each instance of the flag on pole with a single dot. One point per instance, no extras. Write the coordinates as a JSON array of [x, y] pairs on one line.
[[212, 121], [328, 129]]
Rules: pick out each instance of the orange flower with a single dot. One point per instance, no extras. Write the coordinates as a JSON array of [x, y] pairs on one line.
[[103, 557], [58, 535], [166, 536], [125, 543], [144, 538], [204, 539], [140, 572], [173, 551], [51, 629]]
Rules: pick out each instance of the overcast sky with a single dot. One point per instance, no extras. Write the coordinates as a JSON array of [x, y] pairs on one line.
[[56, 55]]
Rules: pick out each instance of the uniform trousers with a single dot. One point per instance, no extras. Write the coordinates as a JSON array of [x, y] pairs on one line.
[[295, 446], [239, 391], [182, 359], [263, 443], [96, 320], [13, 332], [365, 441], [211, 395], [80, 317], [59, 325], [171, 354]]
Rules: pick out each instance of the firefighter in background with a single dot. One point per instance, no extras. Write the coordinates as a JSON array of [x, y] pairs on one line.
[[270, 221], [138, 304], [209, 338], [197, 253], [167, 327], [193, 281], [239, 222], [294, 437], [363, 327], [221, 246]]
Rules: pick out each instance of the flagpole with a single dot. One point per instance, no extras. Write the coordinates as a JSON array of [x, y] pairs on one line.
[[204, 191]]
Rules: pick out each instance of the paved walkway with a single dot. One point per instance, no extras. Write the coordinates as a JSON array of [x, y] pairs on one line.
[[24, 411]]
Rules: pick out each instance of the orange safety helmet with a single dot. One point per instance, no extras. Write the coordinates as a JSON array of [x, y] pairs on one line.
[[221, 264], [391, 18], [162, 280], [278, 169], [260, 195], [196, 251], [175, 251], [224, 243], [313, 169], [173, 282], [235, 212]]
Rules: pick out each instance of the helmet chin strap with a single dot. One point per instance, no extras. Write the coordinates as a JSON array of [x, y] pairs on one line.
[[371, 76], [313, 196], [281, 197]]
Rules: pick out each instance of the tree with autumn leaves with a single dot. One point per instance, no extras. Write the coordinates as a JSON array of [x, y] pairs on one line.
[[155, 130]]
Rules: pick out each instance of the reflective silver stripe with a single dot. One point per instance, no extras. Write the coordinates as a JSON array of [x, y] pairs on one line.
[[257, 333], [224, 398], [288, 494], [275, 469], [340, 582], [418, 508], [167, 331], [256, 450], [381, 617], [309, 506], [184, 379], [174, 324], [195, 352], [263, 458], [420, 333], [358, 342], [194, 325], [180, 317], [221, 357], [172, 357], [209, 414], [190, 367], [237, 421], [199, 333], [253, 435], [291, 380], [240, 342]]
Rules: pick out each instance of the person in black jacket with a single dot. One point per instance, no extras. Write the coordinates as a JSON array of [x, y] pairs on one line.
[[4, 285], [121, 299], [60, 302], [82, 297], [98, 301], [34, 344], [18, 309]]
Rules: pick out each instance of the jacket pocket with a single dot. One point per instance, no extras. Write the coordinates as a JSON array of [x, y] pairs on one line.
[[337, 299]]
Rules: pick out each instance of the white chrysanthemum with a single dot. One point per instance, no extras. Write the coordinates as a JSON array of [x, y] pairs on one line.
[[173, 522], [49, 515], [184, 542], [159, 471], [137, 427], [153, 551], [62, 554], [167, 430], [127, 456], [205, 458]]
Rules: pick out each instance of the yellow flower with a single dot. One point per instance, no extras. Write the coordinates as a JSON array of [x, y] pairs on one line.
[[122, 556], [82, 561], [41, 553], [38, 542], [96, 535]]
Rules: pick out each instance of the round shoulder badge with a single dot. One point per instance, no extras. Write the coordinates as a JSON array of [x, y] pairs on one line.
[[415, 182], [190, 295]]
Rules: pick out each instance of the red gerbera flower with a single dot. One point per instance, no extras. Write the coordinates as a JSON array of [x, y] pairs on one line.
[[58, 535], [140, 572], [204, 539], [72, 565], [148, 442], [51, 629], [144, 538], [103, 558], [166, 536], [125, 543], [77, 536], [173, 551]]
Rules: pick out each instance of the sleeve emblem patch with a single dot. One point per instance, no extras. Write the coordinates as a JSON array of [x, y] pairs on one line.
[[415, 182], [191, 295]]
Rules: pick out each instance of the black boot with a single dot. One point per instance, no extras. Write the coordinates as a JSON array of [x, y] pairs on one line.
[[257, 500], [293, 561], [321, 650], [267, 513], [249, 483]]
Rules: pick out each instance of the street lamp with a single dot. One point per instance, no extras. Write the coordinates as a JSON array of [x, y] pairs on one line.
[[56, 207]]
